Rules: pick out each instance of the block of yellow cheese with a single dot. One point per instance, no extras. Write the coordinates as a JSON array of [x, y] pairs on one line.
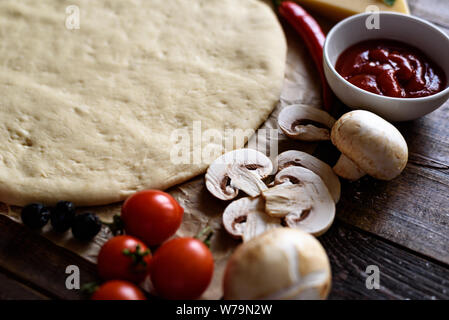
[[340, 9]]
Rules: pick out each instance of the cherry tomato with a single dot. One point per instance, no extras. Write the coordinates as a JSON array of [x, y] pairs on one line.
[[151, 215], [118, 290], [124, 258], [182, 268]]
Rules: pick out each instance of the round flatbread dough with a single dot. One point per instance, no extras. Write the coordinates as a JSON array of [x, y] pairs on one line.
[[94, 114]]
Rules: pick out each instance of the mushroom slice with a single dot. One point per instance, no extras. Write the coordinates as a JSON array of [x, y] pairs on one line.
[[305, 123], [369, 145], [245, 180], [257, 223], [246, 218], [313, 208], [287, 199], [241, 169], [303, 159]]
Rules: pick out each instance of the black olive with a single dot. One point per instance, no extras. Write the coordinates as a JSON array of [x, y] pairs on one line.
[[62, 216], [85, 226], [35, 215]]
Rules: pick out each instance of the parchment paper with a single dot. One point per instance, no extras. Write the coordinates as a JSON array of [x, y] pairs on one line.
[[201, 209]]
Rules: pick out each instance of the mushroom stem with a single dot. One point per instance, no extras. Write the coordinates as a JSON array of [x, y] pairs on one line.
[[286, 199], [245, 180], [246, 218], [347, 169], [306, 204]]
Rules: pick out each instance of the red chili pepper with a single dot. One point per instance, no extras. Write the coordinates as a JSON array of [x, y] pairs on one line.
[[313, 36]]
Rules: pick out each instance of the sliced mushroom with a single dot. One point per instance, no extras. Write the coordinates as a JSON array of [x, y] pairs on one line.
[[369, 145], [257, 223], [303, 159], [237, 170], [280, 264], [305, 123], [287, 199], [307, 204], [246, 180], [246, 218]]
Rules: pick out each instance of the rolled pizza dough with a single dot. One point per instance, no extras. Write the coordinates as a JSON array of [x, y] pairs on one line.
[[90, 114]]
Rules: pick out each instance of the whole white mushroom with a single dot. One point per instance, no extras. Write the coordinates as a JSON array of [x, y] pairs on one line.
[[369, 145], [280, 264]]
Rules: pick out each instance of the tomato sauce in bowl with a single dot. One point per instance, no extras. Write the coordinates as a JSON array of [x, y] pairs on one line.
[[391, 68]]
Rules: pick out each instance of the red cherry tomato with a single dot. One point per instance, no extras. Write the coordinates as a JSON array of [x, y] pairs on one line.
[[151, 215], [118, 290], [124, 258], [182, 268]]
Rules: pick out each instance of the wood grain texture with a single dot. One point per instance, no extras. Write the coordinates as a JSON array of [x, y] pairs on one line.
[[37, 261], [11, 289], [376, 221], [436, 11], [403, 275], [413, 209]]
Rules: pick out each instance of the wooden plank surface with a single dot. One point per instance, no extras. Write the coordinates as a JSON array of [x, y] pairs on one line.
[[401, 226], [36, 261], [436, 11], [412, 210], [403, 275], [11, 289]]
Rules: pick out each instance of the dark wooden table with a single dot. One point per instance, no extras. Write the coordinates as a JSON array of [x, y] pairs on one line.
[[402, 227]]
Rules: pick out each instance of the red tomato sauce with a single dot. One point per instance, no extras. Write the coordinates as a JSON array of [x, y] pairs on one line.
[[391, 68]]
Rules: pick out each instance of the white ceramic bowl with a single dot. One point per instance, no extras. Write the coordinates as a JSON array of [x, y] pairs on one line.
[[408, 29]]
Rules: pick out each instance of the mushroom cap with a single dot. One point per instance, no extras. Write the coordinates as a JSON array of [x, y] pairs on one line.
[[303, 159], [372, 143], [217, 177], [246, 218], [305, 123], [282, 263], [307, 204]]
